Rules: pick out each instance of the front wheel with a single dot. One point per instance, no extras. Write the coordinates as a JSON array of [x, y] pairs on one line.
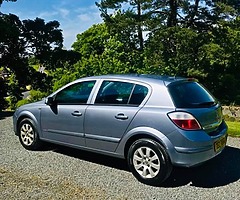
[[28, 135], [149, 162]]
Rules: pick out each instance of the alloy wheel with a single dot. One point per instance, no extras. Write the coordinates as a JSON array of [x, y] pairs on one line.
[[27, 134], [146, 162]]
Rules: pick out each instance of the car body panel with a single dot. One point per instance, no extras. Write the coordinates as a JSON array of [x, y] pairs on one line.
[[63, 123], [105, 125], [109, 128], [32, 111]]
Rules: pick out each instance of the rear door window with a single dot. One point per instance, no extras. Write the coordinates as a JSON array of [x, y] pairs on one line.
[[139, 93], [121, 93], [190, 95], [114, 92]]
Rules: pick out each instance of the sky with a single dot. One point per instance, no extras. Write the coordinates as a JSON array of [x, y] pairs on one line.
[[74, 16]]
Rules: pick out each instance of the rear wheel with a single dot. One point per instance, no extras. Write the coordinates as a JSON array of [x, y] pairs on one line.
[[149, 161], [28, 135]]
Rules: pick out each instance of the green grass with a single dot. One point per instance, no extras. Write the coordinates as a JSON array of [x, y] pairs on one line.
[[233, 129]]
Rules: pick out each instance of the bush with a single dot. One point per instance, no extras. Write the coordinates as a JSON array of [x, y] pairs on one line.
[[35, 95], [65, 78], [22, 102], [3, 92]]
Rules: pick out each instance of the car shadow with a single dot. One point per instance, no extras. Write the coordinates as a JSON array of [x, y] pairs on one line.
[[220, 171], [108, 161], [5, 114]]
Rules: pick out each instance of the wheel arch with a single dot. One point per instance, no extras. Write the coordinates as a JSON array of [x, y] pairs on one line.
[[26, 115], [148, 133], [134, 138]]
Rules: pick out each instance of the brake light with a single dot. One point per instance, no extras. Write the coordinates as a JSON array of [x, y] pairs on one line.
[[184, 120]]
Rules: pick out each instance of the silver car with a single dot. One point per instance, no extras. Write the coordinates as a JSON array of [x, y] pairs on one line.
[[154, 122]]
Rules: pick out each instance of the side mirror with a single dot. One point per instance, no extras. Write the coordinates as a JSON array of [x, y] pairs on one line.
[[49, 101]]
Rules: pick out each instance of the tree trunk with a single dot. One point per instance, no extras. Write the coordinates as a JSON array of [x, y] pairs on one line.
[[193, 13], [140, 32], [172, 19]]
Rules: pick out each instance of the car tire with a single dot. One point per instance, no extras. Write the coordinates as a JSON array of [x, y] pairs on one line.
[[28, 135], [149, 162]]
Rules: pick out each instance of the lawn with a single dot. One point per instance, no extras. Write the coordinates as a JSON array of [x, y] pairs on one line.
[[233, 129]]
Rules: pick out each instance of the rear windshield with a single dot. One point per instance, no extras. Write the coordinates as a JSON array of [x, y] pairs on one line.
[[190, 95]]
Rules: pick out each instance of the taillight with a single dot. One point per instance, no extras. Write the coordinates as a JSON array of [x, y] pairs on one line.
[[184, 120]]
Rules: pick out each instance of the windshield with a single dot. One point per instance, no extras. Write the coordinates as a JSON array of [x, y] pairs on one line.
[[190, 95]]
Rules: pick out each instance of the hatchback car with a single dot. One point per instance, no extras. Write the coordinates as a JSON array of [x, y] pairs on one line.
[[154, 122]]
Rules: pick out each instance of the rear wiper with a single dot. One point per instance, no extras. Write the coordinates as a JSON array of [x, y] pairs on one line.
[[208, 103]]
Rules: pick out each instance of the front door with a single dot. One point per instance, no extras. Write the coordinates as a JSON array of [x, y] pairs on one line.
[[63, 121]]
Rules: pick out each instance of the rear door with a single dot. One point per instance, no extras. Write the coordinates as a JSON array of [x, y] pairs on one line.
[[115, 106]]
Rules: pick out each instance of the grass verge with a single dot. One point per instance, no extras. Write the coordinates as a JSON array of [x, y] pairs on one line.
[[233, 129]]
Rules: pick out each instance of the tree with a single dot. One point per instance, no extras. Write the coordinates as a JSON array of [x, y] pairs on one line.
[[221, 60], [204, 15], [13, 59], [41, 38], [122, 20], [91, 41], [21, 39], [174, 51], [131, 18], [103, 53], [61, 67], [197, 38]]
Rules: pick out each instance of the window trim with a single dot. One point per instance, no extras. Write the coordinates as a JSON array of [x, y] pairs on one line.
[[100, 82]]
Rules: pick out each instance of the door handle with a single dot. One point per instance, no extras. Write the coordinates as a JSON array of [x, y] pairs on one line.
[[77, 113], [121, 116]]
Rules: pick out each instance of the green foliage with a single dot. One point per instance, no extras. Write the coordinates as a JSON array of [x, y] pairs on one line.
[[22, 102], [60, 58], [34, 95], [233, 128], [21, 40], [42, 37], [62, 77], [176, 54], [106, 55], [220, 57], [91, 41], [211, 56], [199, 39], [3, 94], [14, 92]]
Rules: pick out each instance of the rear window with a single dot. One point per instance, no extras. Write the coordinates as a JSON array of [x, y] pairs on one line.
[[190, 95]]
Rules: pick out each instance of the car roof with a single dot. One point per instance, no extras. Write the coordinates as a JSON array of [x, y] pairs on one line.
[[147, 78]]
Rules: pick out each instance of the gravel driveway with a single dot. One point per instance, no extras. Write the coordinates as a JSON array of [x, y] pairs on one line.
[[64, 173]]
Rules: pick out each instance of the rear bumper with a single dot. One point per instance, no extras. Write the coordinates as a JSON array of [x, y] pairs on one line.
[[188, 157], [194, 157]]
